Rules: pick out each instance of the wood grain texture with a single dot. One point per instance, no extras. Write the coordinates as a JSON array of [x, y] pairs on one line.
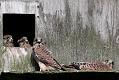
[[74, 30], [16, 59]]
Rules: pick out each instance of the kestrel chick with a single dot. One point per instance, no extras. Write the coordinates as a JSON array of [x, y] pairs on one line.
[[8, 41]]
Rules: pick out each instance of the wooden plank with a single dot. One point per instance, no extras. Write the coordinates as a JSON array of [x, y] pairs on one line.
[[84, 33], [79, 30], [16, 59]]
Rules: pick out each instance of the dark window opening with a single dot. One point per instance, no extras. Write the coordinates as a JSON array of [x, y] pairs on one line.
[[19, 25]]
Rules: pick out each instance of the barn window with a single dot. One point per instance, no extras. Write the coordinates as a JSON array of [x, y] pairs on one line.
[[19, 25]]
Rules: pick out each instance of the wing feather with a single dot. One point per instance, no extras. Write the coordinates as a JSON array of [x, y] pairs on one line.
[[44, 55]]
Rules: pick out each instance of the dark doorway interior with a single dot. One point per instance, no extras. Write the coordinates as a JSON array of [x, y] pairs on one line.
[[19, 25]]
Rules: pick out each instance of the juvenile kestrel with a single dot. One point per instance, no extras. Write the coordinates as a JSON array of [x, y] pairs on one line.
[[8, 41], [24, 43], [106, 65]]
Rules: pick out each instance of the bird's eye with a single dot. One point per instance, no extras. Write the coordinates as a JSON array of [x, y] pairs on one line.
[[78, 63], [84, 63]]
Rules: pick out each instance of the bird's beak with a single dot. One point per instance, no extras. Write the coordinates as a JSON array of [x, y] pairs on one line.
[[11, 40], [26, 40]]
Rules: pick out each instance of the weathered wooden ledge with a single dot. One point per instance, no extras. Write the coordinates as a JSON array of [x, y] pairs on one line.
[[16, 59]]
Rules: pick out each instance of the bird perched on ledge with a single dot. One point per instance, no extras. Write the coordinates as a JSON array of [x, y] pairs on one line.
[[8, 41], [24, 43], [43, 57], [106, 65], [38, 41]]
